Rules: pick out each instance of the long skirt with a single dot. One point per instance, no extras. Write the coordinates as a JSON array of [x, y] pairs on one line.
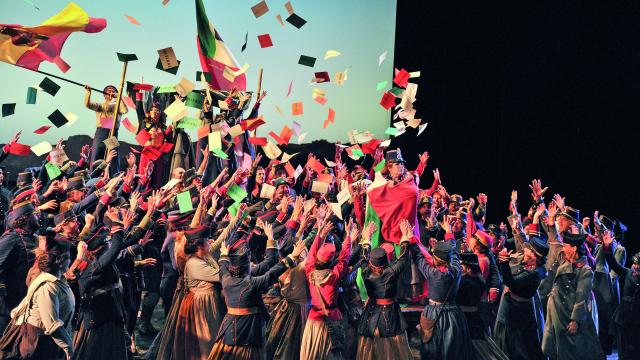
[[628, 344], [109, 341], [222, 351], [162, 346], [316, 342], [199, 318], [484, 348], [284, 336], [393, 347], [517, 333], [450, 338]]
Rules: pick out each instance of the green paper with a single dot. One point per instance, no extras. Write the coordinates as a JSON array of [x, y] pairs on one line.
[[307, 60], [173, 70], [8, 109], [184, 202], [166, 89], [233, 209], [53, 171], [357, 152], [380, 166], [381, 85], [31, 95], [391, 131], [195, 100], [360, 284], [236, 193], [188, 123], [219, 153], [396, 91], [127, 57], [207, 76]]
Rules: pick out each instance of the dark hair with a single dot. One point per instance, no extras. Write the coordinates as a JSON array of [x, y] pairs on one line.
[[191, 247], [49, 261], [541, 260]]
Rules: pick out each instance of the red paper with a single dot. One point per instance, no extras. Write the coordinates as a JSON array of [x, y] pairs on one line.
[[143, 87], [402, 78], [151, 153], [370, 147], [325, 178], [129, 126], [166, 147], [322, 76], [129, 102], [19, 149], [332, 115], [265, 41], [142, 137], [132, 19], [296, 108], [388, 101], [42, 129], [262, 141], [251, 124], [277, 138], [203, 131], [286, 134], [321, 99], [315, 165], [290, 170]]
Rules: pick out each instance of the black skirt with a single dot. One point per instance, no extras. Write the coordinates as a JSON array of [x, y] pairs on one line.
[[450, 340], [284, 330], [106, 342], [516, 331]]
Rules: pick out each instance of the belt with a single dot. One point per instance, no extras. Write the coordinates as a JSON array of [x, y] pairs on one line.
[[106, 289], [242, 311], [387, 301], [468, 308], [518, 298], [433, 302]]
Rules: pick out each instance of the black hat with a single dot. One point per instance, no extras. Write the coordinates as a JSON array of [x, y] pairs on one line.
[[636, 258], [22, 194], [455, 198], [443, 250], [378, 257], [537, 245], [97, 238], [75, 183], [606, 222], [188, 176], [180, 220], [199, 233], [65, 216], [573, 239], [425, 200], [393, 156], [240, 256], [24, 178], [571, 214], [18, 210], [471, 260], [280, 181]]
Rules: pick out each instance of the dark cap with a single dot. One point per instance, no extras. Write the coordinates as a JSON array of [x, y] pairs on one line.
[[471, 260], [378, 257], [393, 156], [199, 233], [571, 214], [75, 183], [24, 178], [573, 239], [443, 250], [65, 216], [537, 245]]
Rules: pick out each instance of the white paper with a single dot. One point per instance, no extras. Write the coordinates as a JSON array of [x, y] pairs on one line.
[[266, 192], [286, 157], [176, 111], [343, 196], [171, 183], [337, 209], [41, 148], [184, 87], [111, 143], [421, 128], [58, 157], [319, 187], [381, 58]]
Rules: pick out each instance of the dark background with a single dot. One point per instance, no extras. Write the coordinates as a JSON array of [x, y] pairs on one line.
[[514, 91]]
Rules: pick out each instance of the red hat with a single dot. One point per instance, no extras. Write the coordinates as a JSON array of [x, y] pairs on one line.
[[326, 253], [484, 238]]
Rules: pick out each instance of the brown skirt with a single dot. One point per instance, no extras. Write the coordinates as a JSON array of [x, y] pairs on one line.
[[198, 321], [222, 351], [316, 342], [394, 347]]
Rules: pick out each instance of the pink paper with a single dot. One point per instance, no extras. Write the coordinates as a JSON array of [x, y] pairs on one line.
[[129, 126], [127, 101], [290, 86], [296, 128]]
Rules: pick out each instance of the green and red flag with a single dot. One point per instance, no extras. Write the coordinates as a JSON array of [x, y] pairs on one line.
[[214, 54]]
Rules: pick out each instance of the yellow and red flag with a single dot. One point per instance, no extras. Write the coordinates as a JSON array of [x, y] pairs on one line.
[[28, 46]]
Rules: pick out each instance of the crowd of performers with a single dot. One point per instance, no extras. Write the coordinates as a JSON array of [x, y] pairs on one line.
[[78, 251]]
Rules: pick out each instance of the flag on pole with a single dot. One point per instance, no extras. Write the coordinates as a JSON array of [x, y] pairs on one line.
[[215, 55], [29, 46]]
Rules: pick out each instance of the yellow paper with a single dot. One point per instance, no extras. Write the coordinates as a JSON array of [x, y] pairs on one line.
[[337, 209], [228, 74], [223, 105], [319, 187], [235, 130], [111, 143], [176, 111], [71, 117], [286, 157], [41, 148], [344, 195], [242, 70], [266, 192], [184, 87], [271, 150], [414, 74], [215, 141], [339, 78], [330, 54], [318, 92], [170, 184]]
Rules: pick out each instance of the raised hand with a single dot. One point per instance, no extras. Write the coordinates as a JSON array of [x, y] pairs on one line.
[[131, 159], [447, 224], [49, 205], [368, 231], [406, 229], [503, 256], [127, 219], [146, 238], [559, 200], [111, 154], [224, 249], [134, 200], [326, 229], [298, 248], [268, 230], [536, 190], [297, 208], [147, 262], [607, 238], [352, 230], [482, 199], [82, 249], [539, 211], [15, 138], [436, 175], [112, 214], [58, 144], [85, 152], [553, 210], [424, 157]]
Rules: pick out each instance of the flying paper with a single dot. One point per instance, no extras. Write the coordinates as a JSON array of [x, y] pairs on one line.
[[381, 85], [307, 61], [402, 78], [321, 77], [321, 100], [266, 191], [296, 21], [421, 128], [289, 90], [242, 70], [132, 20], [47, 85], [71, 117], [286, 157], [381, 58], [142, 137], [184, 87], [167, 58], [176, 111], [111, 143], [129, 126], [388, 101], [31, 95], [296, 128], [41, 148], [42, 129], [57, 118], [170, 184], [319, 187], [246, 39], [301, 137], [265, 41], [8, 109], [261, 141], [296, 108], [289, 7], [260, 9], [330, 54], [184, 202], [271, 150], [279, 18], [19, 149], [215, 140], [340, 77]]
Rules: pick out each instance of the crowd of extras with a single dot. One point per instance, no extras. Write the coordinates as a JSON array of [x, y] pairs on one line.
[[86, 257]]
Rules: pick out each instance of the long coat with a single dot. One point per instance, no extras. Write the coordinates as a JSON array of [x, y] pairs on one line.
[[570, 300]]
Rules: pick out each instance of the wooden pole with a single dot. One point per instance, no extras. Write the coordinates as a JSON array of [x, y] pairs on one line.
[[259, 81], [116, 111]]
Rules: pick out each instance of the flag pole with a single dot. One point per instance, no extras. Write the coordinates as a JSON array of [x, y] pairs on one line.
[[58, 77], [116, 111]]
